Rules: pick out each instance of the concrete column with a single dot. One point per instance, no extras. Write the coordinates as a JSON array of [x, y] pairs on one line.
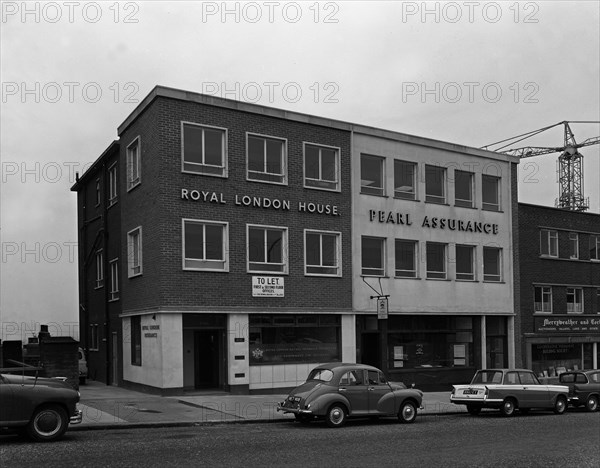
[[483, 344], [510, 330], [348, 338]]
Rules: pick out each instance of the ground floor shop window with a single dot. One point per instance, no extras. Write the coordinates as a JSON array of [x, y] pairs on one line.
[[284, 339], [496, 346], [552, 359], [430, 342]]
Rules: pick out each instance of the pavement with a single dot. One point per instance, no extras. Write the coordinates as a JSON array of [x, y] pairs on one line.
[[110, 407]]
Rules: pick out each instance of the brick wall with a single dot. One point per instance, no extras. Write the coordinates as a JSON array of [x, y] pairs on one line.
[[58, 357]]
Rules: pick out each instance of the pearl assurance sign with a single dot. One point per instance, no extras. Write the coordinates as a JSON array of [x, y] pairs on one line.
[[267, 286]]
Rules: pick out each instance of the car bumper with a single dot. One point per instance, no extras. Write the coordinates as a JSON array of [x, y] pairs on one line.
[[286, 410], [77, 417]]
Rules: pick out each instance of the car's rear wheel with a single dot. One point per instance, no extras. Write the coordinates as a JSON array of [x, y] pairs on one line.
[[408, 412], [508, 407], [560, 405], [473, 410], [592, 403], [48, 423], [336, 415]]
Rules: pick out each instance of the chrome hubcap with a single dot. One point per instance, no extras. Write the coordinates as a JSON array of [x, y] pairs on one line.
[[337, 415], [408, 412]]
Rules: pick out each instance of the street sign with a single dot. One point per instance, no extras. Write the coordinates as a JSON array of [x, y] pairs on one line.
[[382, 308]]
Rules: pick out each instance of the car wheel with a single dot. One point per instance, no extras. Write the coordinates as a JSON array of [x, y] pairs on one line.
[[336, 416], [560, 405], [407, 413], [508, 407], [303, 418], [592, 403], [48, 423], [473, 410]]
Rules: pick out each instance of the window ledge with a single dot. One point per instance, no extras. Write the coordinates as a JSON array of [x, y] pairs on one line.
[[438, 279], [466, 281], [374, 195], [437, 203], [494, 282], [407, 278], [407, 199]]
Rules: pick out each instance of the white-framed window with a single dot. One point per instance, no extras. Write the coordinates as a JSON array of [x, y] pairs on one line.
[[113, 184], [574, 300], [548, 243], [573, 245], [372, 175], [373, 256], [134, 164], [595, 247], [114, 279], [492, 264], [203, 149], [406, 258], [266, 159], [205, 245], [99, 269], [134, 252], [463, 188], [542, 299], [437, 259], [435, 184], [490, 192], [267, 249], [98, 193], [405, 180], [321, 167], [465, 262], [322, 253], [94, 338]]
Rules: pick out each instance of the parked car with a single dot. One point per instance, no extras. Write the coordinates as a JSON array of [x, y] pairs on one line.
[[509, 390], [40, 407], [83, 369], [584, 388], [337, 391]]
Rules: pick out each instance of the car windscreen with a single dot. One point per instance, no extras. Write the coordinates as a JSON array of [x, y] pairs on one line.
[[487, 377], [324, 375]]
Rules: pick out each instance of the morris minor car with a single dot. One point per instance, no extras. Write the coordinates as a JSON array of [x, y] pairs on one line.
[[584, 388], [509, 390], [338, 391]]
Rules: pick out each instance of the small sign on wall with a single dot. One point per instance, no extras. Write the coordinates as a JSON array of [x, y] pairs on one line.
[[267, 286], [382, 308]]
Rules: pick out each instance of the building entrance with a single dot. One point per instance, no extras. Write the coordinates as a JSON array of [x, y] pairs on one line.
[[208, 346]]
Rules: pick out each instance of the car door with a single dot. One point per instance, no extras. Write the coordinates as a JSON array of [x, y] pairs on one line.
[[6, 397], [377, 388], [535, 394], [353, 387]]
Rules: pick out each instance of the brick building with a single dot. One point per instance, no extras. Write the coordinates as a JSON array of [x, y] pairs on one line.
[[229, 245], [560, 288]]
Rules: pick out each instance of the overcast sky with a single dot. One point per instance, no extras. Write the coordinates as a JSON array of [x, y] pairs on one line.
[[471, 73]]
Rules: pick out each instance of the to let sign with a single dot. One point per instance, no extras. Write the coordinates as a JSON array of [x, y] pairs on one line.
[[267, 286]]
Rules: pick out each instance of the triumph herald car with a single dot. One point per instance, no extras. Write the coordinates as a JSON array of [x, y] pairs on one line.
[[509, 390], [584, 388], [40, 407], [338, 391]]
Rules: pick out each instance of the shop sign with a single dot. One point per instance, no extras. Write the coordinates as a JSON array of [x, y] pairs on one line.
[[148, 331], [567, 324], [267, 286]]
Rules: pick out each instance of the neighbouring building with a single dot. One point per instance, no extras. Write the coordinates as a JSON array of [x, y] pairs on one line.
[[234, 246], [560, 289]]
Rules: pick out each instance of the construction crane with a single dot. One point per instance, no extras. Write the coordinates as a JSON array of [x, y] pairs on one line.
[[570, 162]]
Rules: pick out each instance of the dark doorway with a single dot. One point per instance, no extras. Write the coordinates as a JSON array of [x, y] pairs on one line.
[[370, 352], [207, 345]]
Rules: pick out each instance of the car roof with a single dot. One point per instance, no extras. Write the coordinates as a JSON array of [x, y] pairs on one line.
[[338, 365], [504, 370]]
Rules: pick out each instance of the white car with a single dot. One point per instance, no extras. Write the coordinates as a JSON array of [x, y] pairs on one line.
[[83, 370]]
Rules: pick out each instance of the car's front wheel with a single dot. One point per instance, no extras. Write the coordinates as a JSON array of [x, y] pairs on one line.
[[48, 423], [508, 407], [560, 405], [407, 413], [592, 403], [336, 416]]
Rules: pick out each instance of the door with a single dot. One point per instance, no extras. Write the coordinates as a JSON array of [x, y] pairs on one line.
[[377, 388], [207, 346], [370, 352], [352, 386]]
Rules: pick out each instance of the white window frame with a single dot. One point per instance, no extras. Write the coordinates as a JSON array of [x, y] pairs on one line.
[[434, 274], [463, 202], [203, 263], [380, 272], [284, 250], [99, 269], [224, 153], [315, 182], [493, 278], [545, 292], [466, 276], [440, 200], [338, 253], [403, 194], [573, 242], [284, 159], [491, 206], [400, 273], [595, 241], [548, 239], [134, 177], [114, 279], [576, 307], [131, 267], [373, 190], [113, 185]]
